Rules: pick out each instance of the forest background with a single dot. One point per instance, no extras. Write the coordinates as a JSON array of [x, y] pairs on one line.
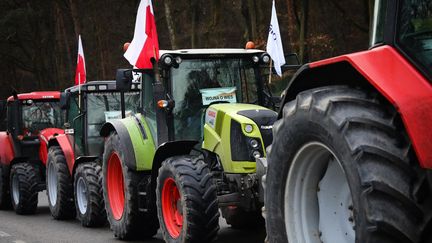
[[38, 38]]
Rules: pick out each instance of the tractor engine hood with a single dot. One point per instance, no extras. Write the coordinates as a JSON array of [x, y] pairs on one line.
[[238, 133]]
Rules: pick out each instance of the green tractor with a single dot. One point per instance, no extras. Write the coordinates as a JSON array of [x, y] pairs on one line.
[[74, 169], [192, 149]]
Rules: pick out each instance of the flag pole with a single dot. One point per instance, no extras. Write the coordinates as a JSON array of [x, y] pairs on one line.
[[270, 73], [79, 93]]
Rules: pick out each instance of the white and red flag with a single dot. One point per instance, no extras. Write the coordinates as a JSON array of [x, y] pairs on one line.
[[145, 43], [80, 73]]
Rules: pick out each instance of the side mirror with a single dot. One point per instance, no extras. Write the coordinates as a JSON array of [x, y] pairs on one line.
[[64, 100], [124, 79], [292, 59], [291, 62]]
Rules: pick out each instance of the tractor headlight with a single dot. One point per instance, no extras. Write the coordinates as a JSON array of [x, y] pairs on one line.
[[265, 58], [178, 60], [253, 143], [255, 59], [248, 128], [256, 154], [168, 60]]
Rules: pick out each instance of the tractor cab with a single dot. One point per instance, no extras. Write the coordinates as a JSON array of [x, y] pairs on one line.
[[29, 115], [407, 26], [192, 80], [89, 106]]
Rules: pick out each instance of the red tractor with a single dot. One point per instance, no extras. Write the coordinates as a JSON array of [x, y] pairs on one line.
[[351, 154], [32, 120]]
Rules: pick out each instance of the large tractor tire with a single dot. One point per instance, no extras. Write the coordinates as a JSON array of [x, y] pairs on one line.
[[341, 169], [120, 190], [59, 185], [89, 195], [5, 198], [187, 202], [24, 183]]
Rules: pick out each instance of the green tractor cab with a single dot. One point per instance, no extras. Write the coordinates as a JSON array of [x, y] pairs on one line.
[[74, 169], [192, 150]]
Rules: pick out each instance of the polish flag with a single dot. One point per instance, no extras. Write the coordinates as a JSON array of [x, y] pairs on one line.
[[145, 43], [80, 74]]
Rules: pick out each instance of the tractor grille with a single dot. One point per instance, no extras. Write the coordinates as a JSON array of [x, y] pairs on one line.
[[239, 147]]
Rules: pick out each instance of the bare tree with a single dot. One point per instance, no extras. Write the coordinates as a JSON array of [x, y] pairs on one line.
[[303, 30], [75, 19], [170, 24], [293, 24], [194, 22]]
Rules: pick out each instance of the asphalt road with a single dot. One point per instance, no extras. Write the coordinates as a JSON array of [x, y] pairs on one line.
[[42, 228]]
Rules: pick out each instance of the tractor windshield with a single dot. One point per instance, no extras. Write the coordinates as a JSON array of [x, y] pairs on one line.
[[38, 115], [199, 82], [106, 106], [103, 107], [415, 32]]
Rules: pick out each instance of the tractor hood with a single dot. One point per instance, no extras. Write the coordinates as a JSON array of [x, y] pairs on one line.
[[238, 133]]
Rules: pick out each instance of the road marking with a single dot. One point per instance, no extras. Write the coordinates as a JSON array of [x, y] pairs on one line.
[[19, 241], [4, 234]]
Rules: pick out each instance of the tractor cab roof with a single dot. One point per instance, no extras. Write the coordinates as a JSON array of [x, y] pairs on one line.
[[255, 55], [98, 86], [38, 95], [212, 51]]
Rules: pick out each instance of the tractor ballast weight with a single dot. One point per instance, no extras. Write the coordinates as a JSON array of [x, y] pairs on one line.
[[351, 155], [197, 129]]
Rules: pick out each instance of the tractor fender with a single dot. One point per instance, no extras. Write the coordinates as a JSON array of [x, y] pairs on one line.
[[135, 133], [44, 137], [63, 141], [385, 70], [170, 149], [82, 160], [7, 152]]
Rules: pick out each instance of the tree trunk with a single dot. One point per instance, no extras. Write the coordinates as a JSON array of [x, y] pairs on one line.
[[100, 47], [170, 24], [252, 19], [195, 18], [216, 9], [292, 25], [303, 30], [75, 18], [63, 38], [347, 16]]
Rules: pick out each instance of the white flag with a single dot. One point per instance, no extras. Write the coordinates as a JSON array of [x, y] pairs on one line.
[[274, 43]]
